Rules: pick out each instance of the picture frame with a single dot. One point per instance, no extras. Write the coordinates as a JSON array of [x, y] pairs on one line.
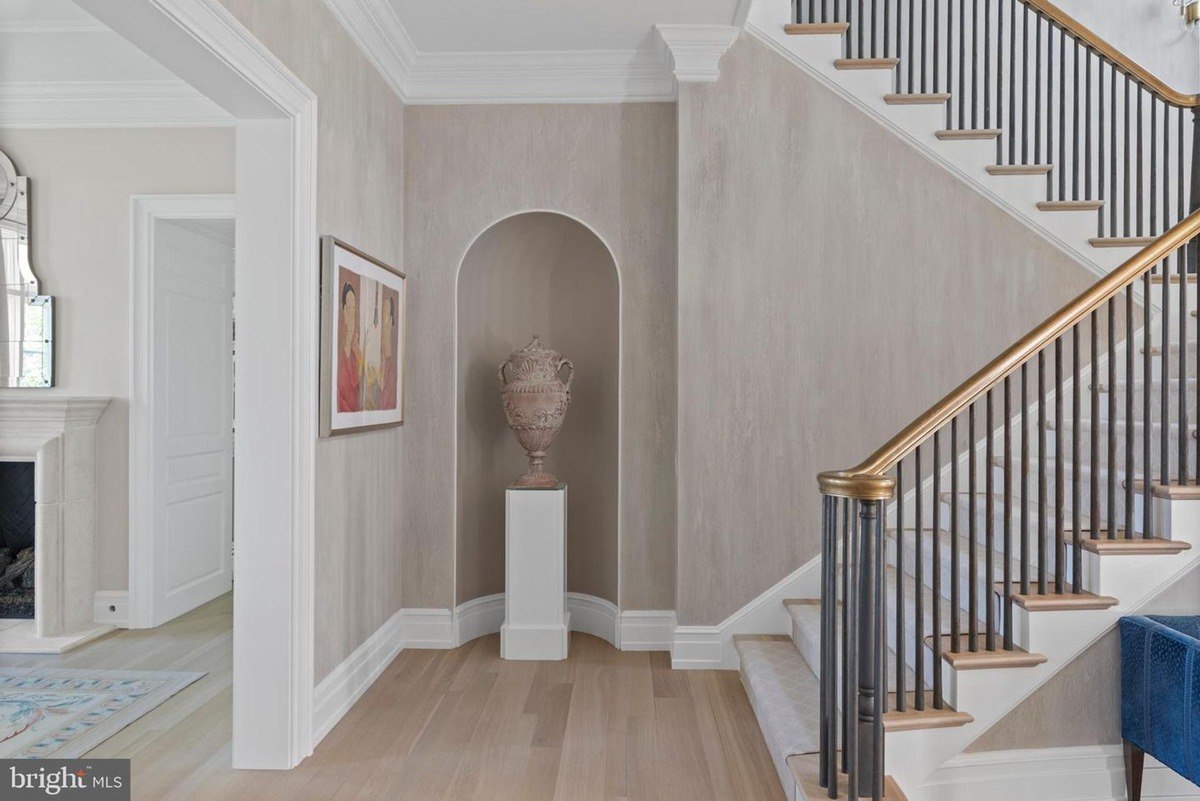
[[364, 315]]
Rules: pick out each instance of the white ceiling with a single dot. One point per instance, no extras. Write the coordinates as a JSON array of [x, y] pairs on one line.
[[555, 25], [60, 66]]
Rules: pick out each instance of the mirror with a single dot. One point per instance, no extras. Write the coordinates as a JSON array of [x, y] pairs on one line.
[[26, 315]]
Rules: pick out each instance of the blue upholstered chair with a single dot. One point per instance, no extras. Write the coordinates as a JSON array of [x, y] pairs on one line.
[[1160, 696]]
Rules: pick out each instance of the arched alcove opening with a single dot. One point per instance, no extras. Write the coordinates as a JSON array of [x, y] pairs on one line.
[[547, 274]]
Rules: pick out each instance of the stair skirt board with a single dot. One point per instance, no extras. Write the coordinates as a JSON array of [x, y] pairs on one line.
[[1087, 773]]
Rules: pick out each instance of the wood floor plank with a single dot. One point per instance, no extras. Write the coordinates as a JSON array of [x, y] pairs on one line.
[[456, 725]]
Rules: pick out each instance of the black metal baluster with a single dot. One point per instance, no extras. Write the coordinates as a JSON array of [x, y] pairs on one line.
[[1008, 504], [950, 64], [850, 733], [1087, 123], [1184, 417], [1060, 501], [1154, 166], [962, 63], [1141, 200], [880, 673], [937, 35], [1076, 504], [1024, 84], [955, 583], [1094, 469], [1042, 483], [924, 31], [847, 676], [999, 79], [874, 24], [901, 701], [1113, 205], [1037, 90], [1025, 479], [861, 24], [1164, 438], [828, 603], [936, 568], [1128, 165], [919, 583], [1050, 109], [1012, 83], [1100, 143], [989, 528], [974, 63], [987, 70], [1111, 427], [1077, 127], [972, 541], [1129, 443], [1147, 382], [887, 22], [911, 43], [868, 648], [1061, 167]]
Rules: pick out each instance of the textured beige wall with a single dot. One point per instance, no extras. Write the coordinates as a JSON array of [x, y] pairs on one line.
[[545, 274], [1081, 704], [833, 283], [360, 159], [81, 181], [613, 167]]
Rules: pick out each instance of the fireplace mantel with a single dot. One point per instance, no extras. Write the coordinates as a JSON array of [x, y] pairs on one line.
[[58, 434]]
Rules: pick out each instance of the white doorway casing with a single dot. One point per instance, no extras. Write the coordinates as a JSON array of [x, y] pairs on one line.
[[181, 405], [276, 307]]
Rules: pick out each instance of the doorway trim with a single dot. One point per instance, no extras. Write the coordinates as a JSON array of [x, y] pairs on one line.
[[277, 310], [144, 212]]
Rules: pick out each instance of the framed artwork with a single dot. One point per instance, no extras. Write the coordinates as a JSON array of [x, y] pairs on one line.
[[362, 340]]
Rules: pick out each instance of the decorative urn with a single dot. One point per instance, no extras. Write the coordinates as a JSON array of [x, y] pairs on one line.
[[535, 402]]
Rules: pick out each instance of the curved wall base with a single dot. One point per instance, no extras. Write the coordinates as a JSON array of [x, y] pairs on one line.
[[589, 614]]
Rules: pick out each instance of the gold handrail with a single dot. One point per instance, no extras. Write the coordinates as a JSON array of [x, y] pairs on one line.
[[868, 482], [1123, 62]]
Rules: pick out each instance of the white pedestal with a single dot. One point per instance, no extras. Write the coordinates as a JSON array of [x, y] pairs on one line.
[[536, 620]]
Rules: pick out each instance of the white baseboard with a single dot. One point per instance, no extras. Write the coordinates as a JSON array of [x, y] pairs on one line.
[[427, 628], [111, 607], [478, 617], [1089, 773], [646, 630], [481, 616], [711, 647], [594, 616], [338, 691]]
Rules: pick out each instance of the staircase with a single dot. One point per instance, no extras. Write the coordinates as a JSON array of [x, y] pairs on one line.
[[1008, 528]]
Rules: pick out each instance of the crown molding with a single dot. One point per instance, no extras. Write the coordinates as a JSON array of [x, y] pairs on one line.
[[53, 26], [93, 104], [544, 76], [695, 50]]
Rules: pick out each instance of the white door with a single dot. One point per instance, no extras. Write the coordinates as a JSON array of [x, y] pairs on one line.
[[192, 413]]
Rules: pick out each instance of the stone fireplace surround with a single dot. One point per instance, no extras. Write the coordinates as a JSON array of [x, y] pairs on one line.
[[58, 434]]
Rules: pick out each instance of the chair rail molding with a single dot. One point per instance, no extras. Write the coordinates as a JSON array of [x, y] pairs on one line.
[[542, 76], [694, 51]]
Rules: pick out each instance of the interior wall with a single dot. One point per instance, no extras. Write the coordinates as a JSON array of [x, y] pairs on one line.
[[1081, 704], [612, 166], [360, 181], [1151, 32], [544, 274], [822, 262], [81, 181]]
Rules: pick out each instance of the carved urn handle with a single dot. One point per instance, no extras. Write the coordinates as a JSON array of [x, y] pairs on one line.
[[566, 363], [500, 373]]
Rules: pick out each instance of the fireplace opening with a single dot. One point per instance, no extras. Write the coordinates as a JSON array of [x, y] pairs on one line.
[[16, 540]]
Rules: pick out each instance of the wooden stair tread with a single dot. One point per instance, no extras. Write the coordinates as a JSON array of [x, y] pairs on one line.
[[1019, 169], [865, 63], [1176, 492], [1120, 241], [1137, 545], [928, 718], [961, 657], [952, 134], [1070, 205], [1157, 278], [929, 98], [806, 769], [815, 28], [1057, 602]]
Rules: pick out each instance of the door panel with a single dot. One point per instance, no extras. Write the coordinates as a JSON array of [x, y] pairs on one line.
[[192, 322]]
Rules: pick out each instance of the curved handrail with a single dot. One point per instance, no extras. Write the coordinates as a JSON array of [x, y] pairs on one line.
[[868, 481], [1122, 61]]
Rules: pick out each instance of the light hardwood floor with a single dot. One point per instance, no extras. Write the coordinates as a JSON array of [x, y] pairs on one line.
[[452, 725]]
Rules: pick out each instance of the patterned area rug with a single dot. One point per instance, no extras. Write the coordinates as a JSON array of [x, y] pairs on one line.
[[66, 713]]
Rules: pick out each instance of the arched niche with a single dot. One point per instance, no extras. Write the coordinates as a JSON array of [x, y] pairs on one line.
[[547, 274]]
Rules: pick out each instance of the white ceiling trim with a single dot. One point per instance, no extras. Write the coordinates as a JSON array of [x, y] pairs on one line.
[[695, 50], [94, 104], [544, 76], [52, 26]]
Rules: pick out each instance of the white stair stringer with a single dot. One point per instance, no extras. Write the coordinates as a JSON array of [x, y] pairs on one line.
[[918, 124], [989, 694]]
